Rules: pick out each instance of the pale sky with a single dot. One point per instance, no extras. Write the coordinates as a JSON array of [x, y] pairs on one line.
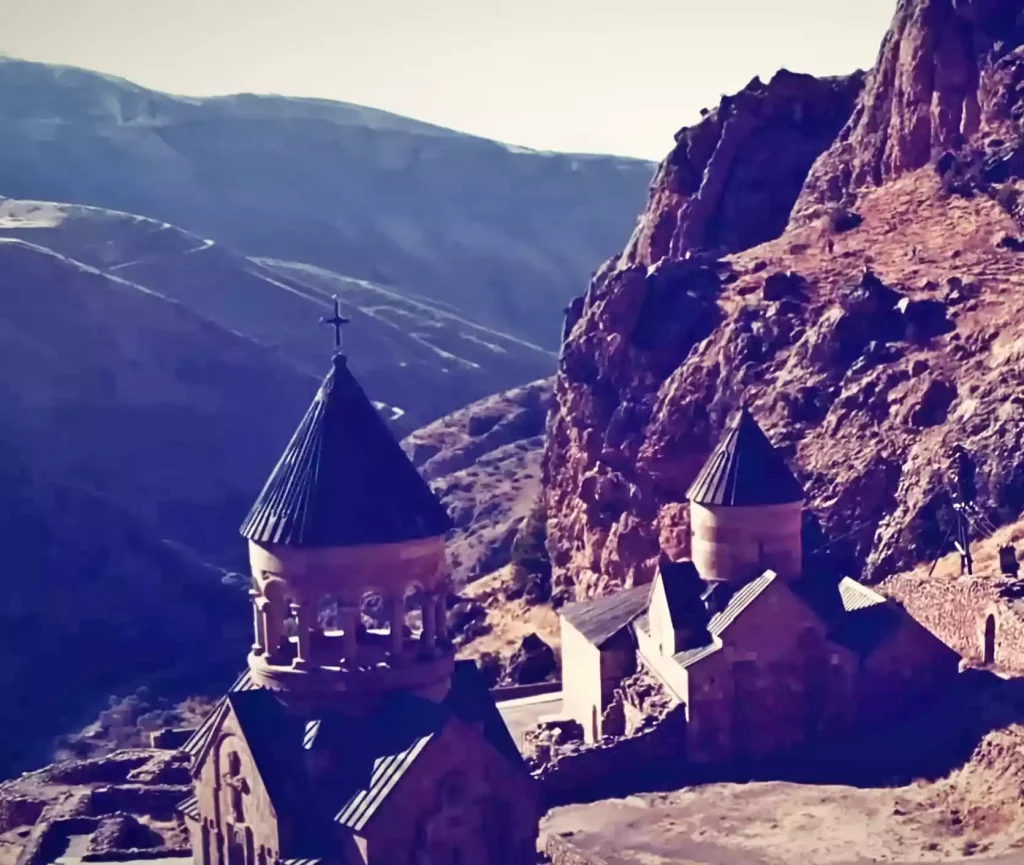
[[601, 76]]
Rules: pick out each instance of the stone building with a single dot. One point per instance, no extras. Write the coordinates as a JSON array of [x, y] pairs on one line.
[[981, 615], [354, 736], [763, 657]]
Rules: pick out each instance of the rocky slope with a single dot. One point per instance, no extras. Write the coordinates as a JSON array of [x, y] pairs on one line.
[[501, 235], [414, 355], [484, 463], [877, 323]]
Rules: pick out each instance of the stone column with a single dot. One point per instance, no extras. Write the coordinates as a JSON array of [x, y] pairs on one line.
[[350, 625], [397, 626], [272, 627], [428, 637], [441, 612], [301, 611], [259, 644]]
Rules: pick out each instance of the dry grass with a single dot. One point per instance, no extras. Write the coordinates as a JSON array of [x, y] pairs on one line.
[[510, 621]]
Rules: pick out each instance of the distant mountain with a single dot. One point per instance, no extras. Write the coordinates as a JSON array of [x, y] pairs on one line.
[[414, 355], [120, 391], [502, 236]]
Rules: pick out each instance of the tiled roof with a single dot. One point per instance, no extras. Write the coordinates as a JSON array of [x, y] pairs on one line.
[[856, 596], [190, 808], [742, 599], [745, 470], [738, 601], [387, 771], [196, 745], [600, 619], [343, 480], [366, 756], [691, 656], [868, 618]]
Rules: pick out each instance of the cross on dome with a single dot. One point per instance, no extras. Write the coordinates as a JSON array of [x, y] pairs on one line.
[[337, 321]]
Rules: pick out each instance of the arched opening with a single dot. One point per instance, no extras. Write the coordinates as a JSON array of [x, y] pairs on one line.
[[989, 648]]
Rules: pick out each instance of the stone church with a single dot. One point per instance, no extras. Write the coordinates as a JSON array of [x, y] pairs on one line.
[[764, 657], [354, 736]]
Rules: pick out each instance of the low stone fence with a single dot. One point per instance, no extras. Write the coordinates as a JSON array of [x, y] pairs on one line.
[[152, 800], [649, 758], [515, 692], [142, 853], [50, 839]]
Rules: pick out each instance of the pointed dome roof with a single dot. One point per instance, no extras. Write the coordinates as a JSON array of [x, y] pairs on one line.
[[745, 470], [343, 480]]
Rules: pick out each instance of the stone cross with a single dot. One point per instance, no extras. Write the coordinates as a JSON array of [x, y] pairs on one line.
[[337, 321]]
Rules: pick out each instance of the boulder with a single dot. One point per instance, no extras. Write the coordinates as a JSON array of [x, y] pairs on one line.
[[924, 318], [490, 668], [463, 614], [532, 662], [784, 285], [934, 404]]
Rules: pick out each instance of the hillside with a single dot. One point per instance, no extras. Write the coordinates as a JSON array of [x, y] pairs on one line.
[[484, 463], [864, 299], [502, 236], [414, 355], [135, 436]]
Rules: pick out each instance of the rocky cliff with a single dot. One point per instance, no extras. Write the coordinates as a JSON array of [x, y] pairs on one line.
[[844, 258]]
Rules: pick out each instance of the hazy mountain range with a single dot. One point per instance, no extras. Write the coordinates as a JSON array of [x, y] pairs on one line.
[[163, 263]]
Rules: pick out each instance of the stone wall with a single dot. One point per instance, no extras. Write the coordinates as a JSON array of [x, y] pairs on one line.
[[136, 799], [16, 811], [955, 609], [652, 755]]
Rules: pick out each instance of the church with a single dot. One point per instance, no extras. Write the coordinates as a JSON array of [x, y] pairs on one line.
[[764, 657], [354, 736]]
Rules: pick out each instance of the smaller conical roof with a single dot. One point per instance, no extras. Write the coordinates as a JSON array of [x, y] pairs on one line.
[[745, 470], [343, 480]]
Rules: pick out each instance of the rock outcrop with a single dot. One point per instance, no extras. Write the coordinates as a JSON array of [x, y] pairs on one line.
[[947, 71], [871, 331], [731, 180]]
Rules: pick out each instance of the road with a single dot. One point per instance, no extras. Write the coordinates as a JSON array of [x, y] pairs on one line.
[[522, 714]]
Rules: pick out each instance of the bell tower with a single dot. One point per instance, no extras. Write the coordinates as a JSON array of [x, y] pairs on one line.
[[349, 574], [745, 509]]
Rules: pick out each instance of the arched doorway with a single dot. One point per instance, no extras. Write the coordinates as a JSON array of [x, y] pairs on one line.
[[989, 649]]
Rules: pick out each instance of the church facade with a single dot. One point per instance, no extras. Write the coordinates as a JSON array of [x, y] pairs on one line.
[[354, 736], [764, 658]]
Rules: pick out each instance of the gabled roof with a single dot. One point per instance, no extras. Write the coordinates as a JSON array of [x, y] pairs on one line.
[[683, 589], [343, 480], [321, 767], [869, 618], [198, 743], [600, 619], [743, 598], [735, 601], [745, 470]]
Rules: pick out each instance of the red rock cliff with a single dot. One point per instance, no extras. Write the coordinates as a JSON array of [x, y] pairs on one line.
[[867, 338]]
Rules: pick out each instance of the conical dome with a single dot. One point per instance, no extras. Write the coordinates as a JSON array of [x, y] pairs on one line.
[[343, 480], [745, 470]]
